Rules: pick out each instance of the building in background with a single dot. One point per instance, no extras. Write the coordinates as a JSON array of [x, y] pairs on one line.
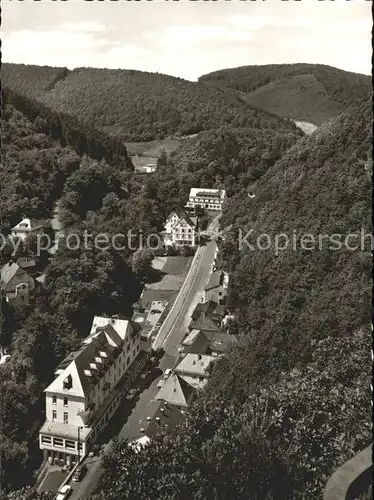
[[208, 199], [180, 230], [16, 283], [26, 227], [217, 287]]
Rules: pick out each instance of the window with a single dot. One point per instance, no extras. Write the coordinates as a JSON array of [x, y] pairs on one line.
[[58, 442], [54, 414], [46, 439], [54, 399], [68, 382], [65, 401], [80, 446], [70, 445], [66, 418]]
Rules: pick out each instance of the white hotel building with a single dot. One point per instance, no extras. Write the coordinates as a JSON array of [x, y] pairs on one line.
[[209, 199], [88, 388]]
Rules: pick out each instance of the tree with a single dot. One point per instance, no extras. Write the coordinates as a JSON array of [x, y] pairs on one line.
[[142, 262]]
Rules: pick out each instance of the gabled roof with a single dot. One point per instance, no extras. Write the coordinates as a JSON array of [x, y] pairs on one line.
[[26, 263], [28, 225], [206, 308], [87, 364], [215, 280], [195, 364], [162, 416], [221, 342], [197, 343], [204, 324], [122, 326], [184, 218], [8, 271], [176, 391], [170, 216]]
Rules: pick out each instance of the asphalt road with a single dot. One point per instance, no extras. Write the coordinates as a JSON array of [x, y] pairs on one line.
[[127, 421]]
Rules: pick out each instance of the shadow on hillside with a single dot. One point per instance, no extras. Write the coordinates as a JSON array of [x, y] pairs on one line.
[[154, 276]]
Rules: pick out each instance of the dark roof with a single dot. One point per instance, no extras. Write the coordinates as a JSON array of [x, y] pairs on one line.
[[220, 342], [204, 324], [208, 194], [216, 279], [8, 271], [199, 345], [87, 353], [220, 310], [164, 416], [204, 308]]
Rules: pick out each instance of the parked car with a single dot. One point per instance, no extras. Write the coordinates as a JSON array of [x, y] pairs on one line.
[[131, 394], [160, 383], [64, 492], [167, 373], [79, 473]]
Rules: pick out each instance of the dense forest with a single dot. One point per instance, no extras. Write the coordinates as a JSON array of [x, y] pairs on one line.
[[135, 105], [310, 92], [34, 168], [300, 406], [78, 283]]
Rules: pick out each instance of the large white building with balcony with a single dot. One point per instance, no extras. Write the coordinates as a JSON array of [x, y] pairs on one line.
[[88, 387], [208, 199]]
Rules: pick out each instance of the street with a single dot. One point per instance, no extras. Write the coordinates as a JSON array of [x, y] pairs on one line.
[[125, 423]]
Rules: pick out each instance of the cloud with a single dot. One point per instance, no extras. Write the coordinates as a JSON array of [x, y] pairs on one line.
[[54, 47], [197, 34], [204, 38], [83, 27]]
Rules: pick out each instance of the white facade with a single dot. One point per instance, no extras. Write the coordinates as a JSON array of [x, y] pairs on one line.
[[209, 199], [82, 398], [24, 228], [180, 231]]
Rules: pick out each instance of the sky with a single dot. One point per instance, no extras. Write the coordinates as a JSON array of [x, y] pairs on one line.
[[187, 38]]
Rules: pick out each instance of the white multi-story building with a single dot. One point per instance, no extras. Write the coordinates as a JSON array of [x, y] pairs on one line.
[[88, 387], [180, 230], [209, 199]]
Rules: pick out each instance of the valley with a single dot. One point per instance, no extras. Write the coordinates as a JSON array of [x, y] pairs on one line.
[[291, 147]]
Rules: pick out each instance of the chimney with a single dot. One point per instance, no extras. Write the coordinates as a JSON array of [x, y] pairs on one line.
[[158, 419], [162, 410], [199, 356]]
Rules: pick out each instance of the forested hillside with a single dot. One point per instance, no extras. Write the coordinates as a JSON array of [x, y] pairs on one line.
[[33, 168], [134, 105], [233, 158], [282, 411], [78, 283], [310, 92]]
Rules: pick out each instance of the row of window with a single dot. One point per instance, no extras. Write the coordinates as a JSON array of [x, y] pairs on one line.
[[54, 400], [59, 442], [66, 416]]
